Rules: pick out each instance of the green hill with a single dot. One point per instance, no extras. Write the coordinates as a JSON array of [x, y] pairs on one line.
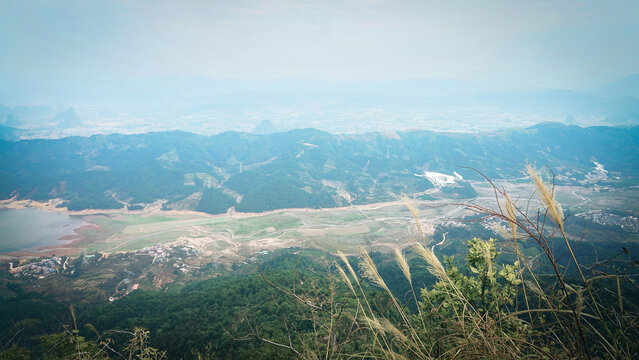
[[299, 168]]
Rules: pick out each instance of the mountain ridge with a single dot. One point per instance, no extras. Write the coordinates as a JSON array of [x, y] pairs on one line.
[[297, 168]]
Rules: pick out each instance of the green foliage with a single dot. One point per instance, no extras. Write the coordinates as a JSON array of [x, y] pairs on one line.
[[70, 345], [15, 352], [209, 312], [234, 316], [208, 317], [138, 347], [215, 201], [488, 288], [98, 202], [26, 316], [463, 190], [283, 193]]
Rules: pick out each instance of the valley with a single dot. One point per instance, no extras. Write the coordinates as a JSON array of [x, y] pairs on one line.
[[235, 236], [174, 218]]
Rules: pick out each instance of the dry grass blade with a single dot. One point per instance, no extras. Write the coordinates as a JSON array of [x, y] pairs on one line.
[[384, 325], [413, 211], [547, 197], [579, 303], [512, 217], [434, 265], [556, 212], [344, 277], [370, 270], [398, 356], [348, 264], [403, 265]]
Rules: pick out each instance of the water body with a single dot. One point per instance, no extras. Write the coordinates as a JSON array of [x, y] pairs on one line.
[[30, 228]]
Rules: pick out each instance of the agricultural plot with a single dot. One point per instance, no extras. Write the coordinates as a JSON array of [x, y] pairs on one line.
[[238, 236], [381, 227]]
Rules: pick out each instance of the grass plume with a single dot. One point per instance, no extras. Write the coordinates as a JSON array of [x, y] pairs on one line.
[[403, 265], [348, 264], [547, 197], [370, 270], [344, 277], [434, 265], [512, 217]]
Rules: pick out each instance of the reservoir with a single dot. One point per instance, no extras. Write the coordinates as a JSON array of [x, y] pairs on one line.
[[31, 228]]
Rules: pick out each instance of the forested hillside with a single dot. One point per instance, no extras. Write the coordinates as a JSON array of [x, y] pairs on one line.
[[299, 168]]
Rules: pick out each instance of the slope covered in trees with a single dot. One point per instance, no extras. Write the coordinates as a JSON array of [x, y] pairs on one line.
[[299, 168]]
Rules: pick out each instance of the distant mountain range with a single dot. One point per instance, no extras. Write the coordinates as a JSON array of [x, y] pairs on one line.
[[627, 87], [208, 106], [301, 168]]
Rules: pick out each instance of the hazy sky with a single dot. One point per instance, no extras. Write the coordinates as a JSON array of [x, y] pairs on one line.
[[564, 44]]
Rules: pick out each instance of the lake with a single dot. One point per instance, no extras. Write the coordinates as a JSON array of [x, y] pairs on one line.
[[30, 228]]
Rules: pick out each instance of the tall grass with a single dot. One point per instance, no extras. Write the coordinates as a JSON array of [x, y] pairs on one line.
[[489, 309]]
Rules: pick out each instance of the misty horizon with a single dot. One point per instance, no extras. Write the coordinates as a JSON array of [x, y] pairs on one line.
[[343, 67]]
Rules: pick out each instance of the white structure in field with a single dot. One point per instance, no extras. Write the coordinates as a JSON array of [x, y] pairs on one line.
[[597, 174], [441, 180]]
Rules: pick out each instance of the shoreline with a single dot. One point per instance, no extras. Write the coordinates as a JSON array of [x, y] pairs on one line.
[[69, 248], [64, 247]]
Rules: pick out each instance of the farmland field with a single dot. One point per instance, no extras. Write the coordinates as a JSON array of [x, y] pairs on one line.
[[383, 226]]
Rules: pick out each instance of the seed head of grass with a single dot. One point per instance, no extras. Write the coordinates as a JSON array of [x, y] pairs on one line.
[[344, 277], [547, 197], [348, 264], [434, 265], [384, 325], [403, 264], [512, 217], [579, 302], [413, 211], [370, 270], [533, 287]]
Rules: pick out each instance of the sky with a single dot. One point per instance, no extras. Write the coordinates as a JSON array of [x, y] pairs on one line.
[[544, 44]]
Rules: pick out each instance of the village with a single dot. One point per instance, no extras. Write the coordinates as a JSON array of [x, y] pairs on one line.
[[41, 268], [628, 223]]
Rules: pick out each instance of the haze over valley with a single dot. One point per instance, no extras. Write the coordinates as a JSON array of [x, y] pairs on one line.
[[215, 106]]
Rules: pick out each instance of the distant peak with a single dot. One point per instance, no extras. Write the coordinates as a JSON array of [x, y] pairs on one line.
[[548, 125], [265, 127], [67, 118]]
